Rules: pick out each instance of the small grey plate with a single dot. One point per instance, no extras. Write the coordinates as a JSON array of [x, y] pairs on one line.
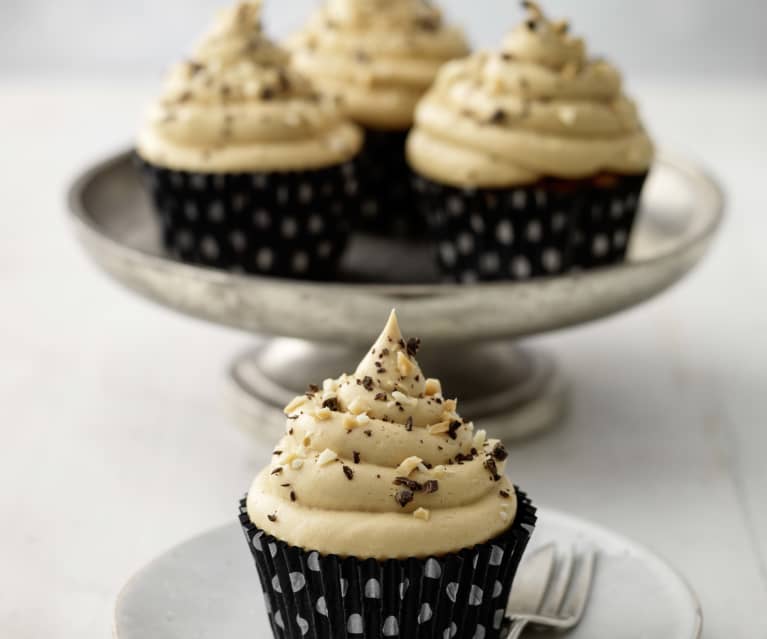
[[207, 588]]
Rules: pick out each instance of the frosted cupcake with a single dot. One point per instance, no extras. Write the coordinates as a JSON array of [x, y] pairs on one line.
[[381, 56], [248, 166], [383, 513], [532, 159]]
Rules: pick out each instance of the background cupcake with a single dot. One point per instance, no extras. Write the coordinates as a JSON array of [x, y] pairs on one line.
[[248, 166], [532, 158], [381, 56], [383, 513]]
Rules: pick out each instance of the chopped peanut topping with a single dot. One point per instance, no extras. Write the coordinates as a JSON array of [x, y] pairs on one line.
[[326, 456], [433, 387], [422, 513], [406, 468], [295, 404], [438, 429], [358, 406], [404, 364]]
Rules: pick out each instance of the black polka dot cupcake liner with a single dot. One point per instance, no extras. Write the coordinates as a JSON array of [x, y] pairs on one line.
[[605, 220], [284, 224], [546, 229], [387, 202], [461, 595]]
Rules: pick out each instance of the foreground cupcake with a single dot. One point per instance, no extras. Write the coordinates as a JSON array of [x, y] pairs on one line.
[[532, 158], [248, 166], [381, 56], [383, 513]]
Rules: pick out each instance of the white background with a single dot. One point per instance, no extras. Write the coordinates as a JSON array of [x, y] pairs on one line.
[[114, 439], [652, 37]]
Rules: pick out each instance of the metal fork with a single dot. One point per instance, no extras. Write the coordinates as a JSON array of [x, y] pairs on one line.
[[566, 596]]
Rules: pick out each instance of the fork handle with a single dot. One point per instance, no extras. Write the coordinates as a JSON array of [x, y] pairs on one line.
[[517, 627]]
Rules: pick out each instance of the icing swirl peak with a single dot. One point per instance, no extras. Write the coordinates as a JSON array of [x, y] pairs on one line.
[[380, 464], [381, 55], [537, 107], [238, 105]]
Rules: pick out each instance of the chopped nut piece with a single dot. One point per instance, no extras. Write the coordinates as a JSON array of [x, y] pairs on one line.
[[306, 441], [480, 437], [297, 464], [439, 429], [404, 365], [422, 513], [358, 406], [350, 423], [451, 405], [326, 456], [440, 471], [433, 387], [363, 419], [295, 404], [406, 468]]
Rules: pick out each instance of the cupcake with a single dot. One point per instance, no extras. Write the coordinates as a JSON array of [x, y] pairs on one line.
[[530, 159], [381, 56], [382, 512], [248, 166]]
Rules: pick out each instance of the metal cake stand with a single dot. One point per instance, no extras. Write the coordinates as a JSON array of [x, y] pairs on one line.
[[470, 332]]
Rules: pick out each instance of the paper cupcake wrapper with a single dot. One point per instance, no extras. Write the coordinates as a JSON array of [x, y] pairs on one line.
[[387, 201], [460, 595], [288, 224], [545, 229], [605, 220]]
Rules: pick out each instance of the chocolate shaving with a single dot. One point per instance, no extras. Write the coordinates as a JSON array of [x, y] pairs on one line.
[[413, 344], [369, 433], [292, 495], [267, 93], [313, 388], [460, 458], [331, 403], [367, 383], [454, 426], [490, 465], [348, 472], [500, 452], [409, 423], [277, 471], [356, 456], [505, 494], [412, 484], [498, 117], [431, 486], [272, 517], [277, 452], [381, 397], [403, 497], [384, 351]]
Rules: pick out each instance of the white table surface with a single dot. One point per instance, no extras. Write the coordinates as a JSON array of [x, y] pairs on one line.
[[116, 442]]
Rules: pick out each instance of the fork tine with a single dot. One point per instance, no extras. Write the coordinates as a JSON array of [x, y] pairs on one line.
[[581, 588], [557, 592]]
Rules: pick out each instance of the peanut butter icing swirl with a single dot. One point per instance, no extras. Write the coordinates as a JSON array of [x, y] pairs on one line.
[[237, 105], [381, 55], [380, 464], [539, 107]]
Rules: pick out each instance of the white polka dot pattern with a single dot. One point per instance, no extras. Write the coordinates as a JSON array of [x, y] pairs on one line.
[[528, 232], [292, 224], [325, 597]]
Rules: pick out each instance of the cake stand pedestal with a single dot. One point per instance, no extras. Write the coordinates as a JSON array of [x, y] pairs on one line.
[[470, 332]]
